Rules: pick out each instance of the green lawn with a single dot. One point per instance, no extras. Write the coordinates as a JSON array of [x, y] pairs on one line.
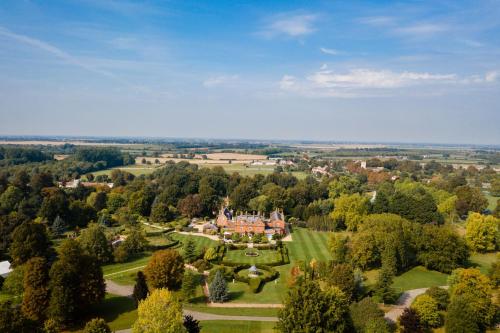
[[419, 277], [492, 201], [200, 241], [135, 170], [261, 312], [308, 244], [265, 256], [483, 261], [118, 311], [217, 326], [125, 273]]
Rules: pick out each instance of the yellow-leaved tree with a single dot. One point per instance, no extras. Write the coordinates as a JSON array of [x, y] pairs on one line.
[[161, 312]]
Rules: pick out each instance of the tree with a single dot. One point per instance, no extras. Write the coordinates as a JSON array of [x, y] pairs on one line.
[[189, 250], [58, 226], [461, 317], [211, 253], [349, 210], [342, 277], [241, 195], [191, 325], [383, 289], [481, 232], [160, 212], [10, 199], [161, 312], [307, 308], [94, 242], [441, 248], [410, 322], [261, 204], [135, 242], [338, 248], [28, 240], [440, 295], [14, 282], [96, 325], [165, 270], [190, 206], [470, 199], [97, 200], [427, 309], [141, 290], [12, 320], [218, 290], [36, 291], [476, 288], [366, 312], [189, 283], [76, 283], [344, 185]]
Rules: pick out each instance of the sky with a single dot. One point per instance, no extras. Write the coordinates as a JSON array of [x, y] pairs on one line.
[[366, 71]]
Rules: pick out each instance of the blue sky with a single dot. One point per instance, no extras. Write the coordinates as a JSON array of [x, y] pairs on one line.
[[410, 71]]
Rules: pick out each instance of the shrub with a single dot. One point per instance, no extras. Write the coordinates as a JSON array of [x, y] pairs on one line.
[[427, 309], [440, 295], [254, 284]]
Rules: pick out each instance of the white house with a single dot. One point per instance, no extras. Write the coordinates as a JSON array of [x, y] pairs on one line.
[[5, 268]]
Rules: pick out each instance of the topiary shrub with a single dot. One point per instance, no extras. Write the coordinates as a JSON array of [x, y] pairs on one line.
[[254, 284]]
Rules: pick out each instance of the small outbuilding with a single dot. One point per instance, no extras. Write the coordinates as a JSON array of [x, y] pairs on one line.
[[5, 268]]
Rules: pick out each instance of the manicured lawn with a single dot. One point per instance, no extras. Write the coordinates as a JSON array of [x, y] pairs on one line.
[[265, 256], [125, 273], [200, 241], [492, 201], [217, 326], [118, 311], [308, 244], [483, 261], [419, 277], [270, 312]]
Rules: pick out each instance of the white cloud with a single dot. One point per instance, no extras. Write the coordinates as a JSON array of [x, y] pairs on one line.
[[492, 76], [290, 25], [421, 29], [366, 78], [378, 21], [329, 51], [218, 80], [361, 82]]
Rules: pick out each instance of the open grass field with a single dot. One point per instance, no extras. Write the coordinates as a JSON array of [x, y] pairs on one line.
[[135, 170], [265, 256], [419, 277], [215, 326]]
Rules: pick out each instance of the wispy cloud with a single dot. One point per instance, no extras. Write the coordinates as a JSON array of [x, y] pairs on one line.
[[421, 29], [289, 25], [371, 82], [378, 21], [51, 49], [219, 80], [329, 51]]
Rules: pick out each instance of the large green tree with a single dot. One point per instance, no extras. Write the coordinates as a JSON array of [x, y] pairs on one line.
[[165, 270], [76, 283], [36, 289], [94, 242], [482, 232], [308, 308], [161, 312], [29, 240]]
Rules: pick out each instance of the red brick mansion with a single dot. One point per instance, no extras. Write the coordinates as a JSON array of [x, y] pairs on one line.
[[252, 223]]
